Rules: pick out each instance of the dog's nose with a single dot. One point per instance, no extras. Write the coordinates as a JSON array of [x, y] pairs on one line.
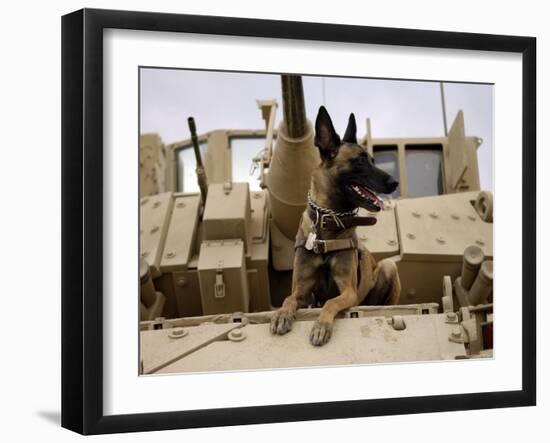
[[391, 184]]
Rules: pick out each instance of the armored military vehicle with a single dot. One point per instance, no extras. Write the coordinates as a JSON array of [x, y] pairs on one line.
[[217, 250]]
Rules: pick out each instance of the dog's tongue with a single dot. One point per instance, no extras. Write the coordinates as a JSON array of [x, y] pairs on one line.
[[376, 200], [371, 196]]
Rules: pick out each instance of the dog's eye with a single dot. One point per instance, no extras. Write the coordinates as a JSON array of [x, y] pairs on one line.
[[366, 158]]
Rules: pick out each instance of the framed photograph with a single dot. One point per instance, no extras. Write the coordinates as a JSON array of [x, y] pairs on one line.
[[269, 221]]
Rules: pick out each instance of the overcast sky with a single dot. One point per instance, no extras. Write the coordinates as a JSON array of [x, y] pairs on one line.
[[226, 100]]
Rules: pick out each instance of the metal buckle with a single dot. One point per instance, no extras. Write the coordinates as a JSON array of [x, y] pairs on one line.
[[319, 247], [322, 221]]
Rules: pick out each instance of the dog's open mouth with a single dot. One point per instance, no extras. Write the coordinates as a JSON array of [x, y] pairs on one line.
[[370, 200]]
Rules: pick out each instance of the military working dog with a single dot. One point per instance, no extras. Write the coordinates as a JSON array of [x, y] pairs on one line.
[[327, 252]]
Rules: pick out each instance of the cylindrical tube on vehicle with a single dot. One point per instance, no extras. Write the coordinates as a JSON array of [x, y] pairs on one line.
[[483, 284], [471, 262]]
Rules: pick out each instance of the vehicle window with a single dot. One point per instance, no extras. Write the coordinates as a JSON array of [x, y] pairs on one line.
[[243, 150], [186, 164], [424, 170], [385, 158]]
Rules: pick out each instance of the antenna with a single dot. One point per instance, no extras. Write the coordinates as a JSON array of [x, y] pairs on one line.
[[201, 173], [443, 109]]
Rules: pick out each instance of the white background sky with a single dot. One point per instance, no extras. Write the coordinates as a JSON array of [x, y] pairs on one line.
[[227, 100]]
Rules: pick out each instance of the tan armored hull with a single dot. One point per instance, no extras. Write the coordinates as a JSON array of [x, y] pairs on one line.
[[215, 265]]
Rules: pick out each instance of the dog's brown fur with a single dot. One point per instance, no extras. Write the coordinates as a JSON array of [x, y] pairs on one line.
[[378, 282]]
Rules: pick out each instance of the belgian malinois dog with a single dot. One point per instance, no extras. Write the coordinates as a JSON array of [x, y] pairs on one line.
[[327, 253]]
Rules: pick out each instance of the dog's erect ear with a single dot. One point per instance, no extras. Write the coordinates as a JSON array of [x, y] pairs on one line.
[[351, 131], [326, 138]]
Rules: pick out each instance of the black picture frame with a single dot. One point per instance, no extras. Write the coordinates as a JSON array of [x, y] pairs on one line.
[[82, 220]]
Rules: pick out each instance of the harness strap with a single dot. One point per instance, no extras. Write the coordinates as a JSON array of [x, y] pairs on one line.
[[340, 244], [326, 246]]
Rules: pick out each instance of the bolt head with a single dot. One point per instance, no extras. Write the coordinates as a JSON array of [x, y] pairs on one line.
[[451, 316], [177, 332], [236, 335], [170, 254]]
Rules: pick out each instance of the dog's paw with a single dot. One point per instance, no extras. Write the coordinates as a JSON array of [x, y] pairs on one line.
[[320, 333], [281, 322]]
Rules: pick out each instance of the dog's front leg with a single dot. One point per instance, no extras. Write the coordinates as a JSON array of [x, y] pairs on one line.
[[306, 265], [344, 272]]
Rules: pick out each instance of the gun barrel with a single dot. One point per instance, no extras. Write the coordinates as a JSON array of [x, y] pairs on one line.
[[294, 110], [201, 173], [293, 159]]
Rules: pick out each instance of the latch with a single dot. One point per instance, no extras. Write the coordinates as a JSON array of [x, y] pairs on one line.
[[219, 285], [227, 187]]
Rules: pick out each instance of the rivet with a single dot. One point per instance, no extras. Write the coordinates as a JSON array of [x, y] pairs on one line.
[[456, 333], [180, 205], [440, 240], [154, 229], [451, 316], [182, 282], [472, 218], [170, 254], [177, 332], [411, 293], [391, 242], [480, 242], [236, 335], [416, 214], [434, 215], [411, 236], [144, 201], [144, 254], [455, 216], [257, 195], [364, 238], [156, 204]]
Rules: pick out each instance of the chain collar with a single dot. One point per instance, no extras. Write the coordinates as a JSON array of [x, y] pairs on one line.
[[321, 213], [328, 211]]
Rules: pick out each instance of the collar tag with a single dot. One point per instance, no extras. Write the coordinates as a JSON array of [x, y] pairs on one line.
[[310, 240]]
